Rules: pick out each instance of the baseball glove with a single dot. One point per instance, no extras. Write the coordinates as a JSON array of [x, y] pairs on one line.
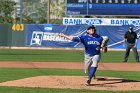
[[104, 44]]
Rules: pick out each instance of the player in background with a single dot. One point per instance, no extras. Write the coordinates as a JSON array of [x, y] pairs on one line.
[[92, 43], [131, 40]]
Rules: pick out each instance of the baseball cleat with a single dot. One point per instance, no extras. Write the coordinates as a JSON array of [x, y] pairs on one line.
[[88, 82]]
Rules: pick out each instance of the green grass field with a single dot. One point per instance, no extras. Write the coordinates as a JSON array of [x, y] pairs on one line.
[[58, 55], [7, 74], [48, 90], [18, 73]]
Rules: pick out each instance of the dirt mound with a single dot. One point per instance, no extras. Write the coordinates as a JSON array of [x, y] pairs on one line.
[[75, 82]]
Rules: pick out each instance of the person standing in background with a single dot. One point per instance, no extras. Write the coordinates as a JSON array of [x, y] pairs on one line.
[[131, 40]]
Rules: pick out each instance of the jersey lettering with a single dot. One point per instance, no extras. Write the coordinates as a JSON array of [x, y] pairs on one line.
[[93, 42]]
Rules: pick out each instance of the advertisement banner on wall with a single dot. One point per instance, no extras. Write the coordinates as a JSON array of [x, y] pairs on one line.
[[46, 35], [101, 21]]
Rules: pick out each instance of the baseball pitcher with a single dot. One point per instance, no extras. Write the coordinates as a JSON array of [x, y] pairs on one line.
[[93, 43]]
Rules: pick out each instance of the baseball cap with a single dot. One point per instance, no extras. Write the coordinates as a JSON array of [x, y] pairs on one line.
[[131, 28], [91, 27]]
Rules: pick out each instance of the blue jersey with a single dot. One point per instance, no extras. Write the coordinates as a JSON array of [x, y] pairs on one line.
[[92, 43]]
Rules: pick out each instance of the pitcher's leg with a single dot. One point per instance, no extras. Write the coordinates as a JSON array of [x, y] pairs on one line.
[[87, 63], [93, 68]]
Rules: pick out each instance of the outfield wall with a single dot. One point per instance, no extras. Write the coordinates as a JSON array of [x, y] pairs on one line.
[[46, 35], [9, 37]]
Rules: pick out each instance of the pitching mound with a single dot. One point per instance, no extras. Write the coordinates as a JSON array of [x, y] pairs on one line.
[[75, 82]]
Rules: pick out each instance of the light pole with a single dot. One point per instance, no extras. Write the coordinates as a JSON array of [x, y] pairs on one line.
[[48, 12], [20, 11]]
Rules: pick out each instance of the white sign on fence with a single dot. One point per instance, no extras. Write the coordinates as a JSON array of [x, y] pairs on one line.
[[101, 21]]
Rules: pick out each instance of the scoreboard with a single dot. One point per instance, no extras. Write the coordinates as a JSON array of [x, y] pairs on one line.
[[103, 7]]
